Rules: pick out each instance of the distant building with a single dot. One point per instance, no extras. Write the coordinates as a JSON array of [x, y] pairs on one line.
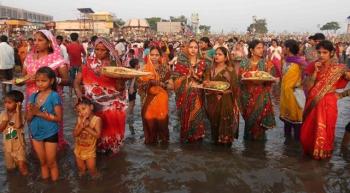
[[16, 13], [135, 27], [99, 23], [20, 21], [170, 27]]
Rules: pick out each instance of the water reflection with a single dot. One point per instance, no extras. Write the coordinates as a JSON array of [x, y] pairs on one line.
[[275, 165]]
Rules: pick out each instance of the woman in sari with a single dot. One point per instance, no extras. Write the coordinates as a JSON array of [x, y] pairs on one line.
[[291, 112], [189, 71], [107, 94], [46, 52], [237, 54], [222, 107], [206, 49], [320, 114], [155, 105], [274, 56], [256, 105]]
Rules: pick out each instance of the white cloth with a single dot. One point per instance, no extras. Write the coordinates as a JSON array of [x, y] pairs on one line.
[[218, 45], [64, 53], [120, 47], [275, 52], [348, 51], [7, 56]]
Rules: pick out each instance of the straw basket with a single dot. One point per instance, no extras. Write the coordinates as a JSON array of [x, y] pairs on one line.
[[122, 72]]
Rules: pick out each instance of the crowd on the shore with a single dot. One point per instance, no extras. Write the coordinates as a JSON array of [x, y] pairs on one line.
[[308, 72]]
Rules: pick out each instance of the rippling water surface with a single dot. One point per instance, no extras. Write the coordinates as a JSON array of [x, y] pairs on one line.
[[273, 166]]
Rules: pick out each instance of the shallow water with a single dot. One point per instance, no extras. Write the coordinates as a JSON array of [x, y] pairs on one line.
[[273, 166]]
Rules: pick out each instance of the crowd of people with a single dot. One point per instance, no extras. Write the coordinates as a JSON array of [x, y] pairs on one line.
[[308, 75]]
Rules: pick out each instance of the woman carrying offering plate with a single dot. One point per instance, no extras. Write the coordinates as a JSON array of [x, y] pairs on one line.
[[107, 94], [222, 106], [189, 71], [255, 97]]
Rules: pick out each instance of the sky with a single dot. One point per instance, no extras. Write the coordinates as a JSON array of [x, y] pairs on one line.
[[221, 15]]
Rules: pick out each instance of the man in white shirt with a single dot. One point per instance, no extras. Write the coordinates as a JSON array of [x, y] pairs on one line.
[[120, 47], [7, 62], [64, 52]]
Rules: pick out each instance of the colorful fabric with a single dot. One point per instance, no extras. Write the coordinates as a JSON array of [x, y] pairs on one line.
[[311, 54], [112, 52], [41, 128], [155, 105], [289, 108], [85, 143], [320, 114], [110, 104], [189, 100], [75, 51], [222, 109], [13, 142], [256, 105], [54, 61]]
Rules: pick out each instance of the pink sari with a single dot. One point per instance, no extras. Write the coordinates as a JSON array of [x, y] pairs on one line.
[[54, 61]]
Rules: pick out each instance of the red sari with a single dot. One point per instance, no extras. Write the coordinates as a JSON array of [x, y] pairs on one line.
[[320, 114], [110, 104], [189, 100]]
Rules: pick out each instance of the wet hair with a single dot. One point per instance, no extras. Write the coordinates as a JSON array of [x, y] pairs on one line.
[[50, 74], [252, 45], [133, 62], [3, 38], [74, 36], [325, 44], [207, 41], [311, 38], [155, 48], [50, 49], [84, 101], [132, 51], [93, 38], [274, 40], [30, 39], [59, 37], [15, 95], [225, 52], [146, 44], [292, 45], [193, 40], [319, 36]]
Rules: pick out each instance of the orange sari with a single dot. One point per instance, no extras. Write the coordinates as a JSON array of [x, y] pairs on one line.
[[154, 110], [320, 113]]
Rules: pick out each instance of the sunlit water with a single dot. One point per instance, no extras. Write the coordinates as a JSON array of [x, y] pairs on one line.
[[273, 166]]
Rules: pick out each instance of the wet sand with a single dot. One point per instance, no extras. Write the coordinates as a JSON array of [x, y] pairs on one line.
[[274, 166]]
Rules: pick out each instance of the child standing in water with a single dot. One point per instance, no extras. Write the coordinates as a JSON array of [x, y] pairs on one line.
[[44, 114], [86, 133], [11, 124]]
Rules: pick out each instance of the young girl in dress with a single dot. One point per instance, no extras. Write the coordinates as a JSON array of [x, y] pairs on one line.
[[44, 114], [11, 125], [86, 133]]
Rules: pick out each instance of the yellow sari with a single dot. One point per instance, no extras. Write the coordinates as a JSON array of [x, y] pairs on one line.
[[289, 109]]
